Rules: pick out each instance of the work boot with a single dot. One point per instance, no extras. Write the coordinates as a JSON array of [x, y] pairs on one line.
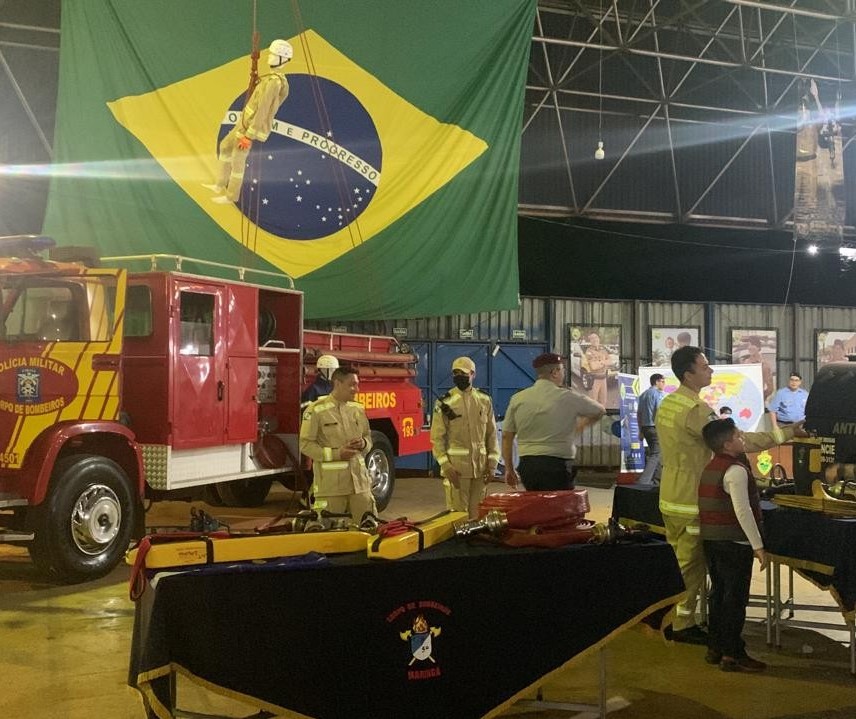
[[742, 664], [713, 656], [690, 635]]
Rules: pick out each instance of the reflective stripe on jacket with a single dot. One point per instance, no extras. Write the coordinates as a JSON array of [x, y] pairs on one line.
[[327, 426], [679, 422]]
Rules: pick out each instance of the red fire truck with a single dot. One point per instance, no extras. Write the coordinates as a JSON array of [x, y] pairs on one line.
[[117, 385]]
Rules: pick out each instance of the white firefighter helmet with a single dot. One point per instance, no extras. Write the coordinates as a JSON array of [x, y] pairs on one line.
[[326, 365], [281, 49]]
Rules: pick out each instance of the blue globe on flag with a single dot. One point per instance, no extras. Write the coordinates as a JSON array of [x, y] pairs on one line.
[[320, 167]]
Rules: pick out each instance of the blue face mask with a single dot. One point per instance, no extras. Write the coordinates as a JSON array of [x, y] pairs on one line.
[[461, 381]]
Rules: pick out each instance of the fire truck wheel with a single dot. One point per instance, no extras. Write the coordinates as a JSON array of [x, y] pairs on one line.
[[244, 492], [84, 526], [211, 495], [381, 469]]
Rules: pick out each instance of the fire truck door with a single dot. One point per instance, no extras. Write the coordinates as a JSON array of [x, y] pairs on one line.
[[199, 377]]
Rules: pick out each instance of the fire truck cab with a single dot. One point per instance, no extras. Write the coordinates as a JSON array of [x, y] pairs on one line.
[[118, 385]]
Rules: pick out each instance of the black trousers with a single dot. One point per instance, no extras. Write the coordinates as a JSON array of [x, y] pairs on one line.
[[730, 568], [652, 471], [545, 474]]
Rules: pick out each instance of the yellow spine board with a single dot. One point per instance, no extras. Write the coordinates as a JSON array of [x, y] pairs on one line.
[[403, 545], [236, 549]]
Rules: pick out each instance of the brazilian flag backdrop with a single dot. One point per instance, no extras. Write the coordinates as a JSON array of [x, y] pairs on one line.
[[388, 187]]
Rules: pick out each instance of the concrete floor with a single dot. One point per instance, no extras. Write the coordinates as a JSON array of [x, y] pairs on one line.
[[65, 649]]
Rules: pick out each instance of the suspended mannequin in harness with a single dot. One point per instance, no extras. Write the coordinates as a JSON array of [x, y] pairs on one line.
[[255, 124], [825, 118]]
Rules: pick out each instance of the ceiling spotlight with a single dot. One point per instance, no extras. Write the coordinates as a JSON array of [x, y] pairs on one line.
[[812, 249], [599, 154]]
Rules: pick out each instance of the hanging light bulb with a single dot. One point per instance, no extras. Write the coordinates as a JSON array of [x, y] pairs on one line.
[[599, 154]]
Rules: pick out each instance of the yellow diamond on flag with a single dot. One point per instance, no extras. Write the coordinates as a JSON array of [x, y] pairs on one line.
[[178, 124]]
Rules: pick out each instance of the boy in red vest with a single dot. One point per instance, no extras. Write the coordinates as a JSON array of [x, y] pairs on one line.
[[730, 527]]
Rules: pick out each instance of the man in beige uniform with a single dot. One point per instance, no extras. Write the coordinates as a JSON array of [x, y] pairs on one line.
[[463, 438], [545, 419], [335, 434], [255, 123], [679, 422]]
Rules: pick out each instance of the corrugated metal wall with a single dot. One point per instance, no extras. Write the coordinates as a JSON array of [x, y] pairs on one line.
[[527, 323], [548, 319]]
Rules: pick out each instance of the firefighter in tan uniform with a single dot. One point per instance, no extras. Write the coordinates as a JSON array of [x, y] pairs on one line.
[[335, 434], [255, 123], [679, 422], [463, 437]]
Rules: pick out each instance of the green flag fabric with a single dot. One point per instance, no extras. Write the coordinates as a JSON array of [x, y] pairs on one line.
[[387, 186]]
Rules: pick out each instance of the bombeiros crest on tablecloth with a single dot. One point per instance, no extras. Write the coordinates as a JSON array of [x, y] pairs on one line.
[[420, 635]]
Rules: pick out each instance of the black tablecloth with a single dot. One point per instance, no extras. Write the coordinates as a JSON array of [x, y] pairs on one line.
[[336, 639], [820, 547]]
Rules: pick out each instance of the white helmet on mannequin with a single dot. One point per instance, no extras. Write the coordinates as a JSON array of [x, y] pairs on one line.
[[280, 53], [326, 365]]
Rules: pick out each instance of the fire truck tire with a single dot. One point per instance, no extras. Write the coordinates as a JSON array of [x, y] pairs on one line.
[[83, 528], [211, 495], [381, 466], [245, 492]]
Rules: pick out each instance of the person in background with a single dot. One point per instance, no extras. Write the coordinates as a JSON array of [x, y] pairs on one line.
[[680, 420], [545, 418], [788, 404], [684, 338], [725, 412], [325, 365], [335, 434], [646, 412], [729, 510], [463, 440]]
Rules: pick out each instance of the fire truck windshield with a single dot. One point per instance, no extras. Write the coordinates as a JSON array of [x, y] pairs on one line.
[[36, 309]]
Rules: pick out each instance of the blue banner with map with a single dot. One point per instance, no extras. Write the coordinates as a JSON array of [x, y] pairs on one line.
[[736, 386]]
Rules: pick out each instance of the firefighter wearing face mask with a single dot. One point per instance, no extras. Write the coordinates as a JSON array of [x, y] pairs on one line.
[[463, 437], [255, 124]]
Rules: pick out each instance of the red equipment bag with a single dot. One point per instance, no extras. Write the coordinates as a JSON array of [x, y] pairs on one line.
[[542, 519], [528, 509]]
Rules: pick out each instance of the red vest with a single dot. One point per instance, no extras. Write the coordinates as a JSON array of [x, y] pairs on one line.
[[717, 519]]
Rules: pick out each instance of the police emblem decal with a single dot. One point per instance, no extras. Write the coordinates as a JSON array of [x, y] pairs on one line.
[[29, 390]]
